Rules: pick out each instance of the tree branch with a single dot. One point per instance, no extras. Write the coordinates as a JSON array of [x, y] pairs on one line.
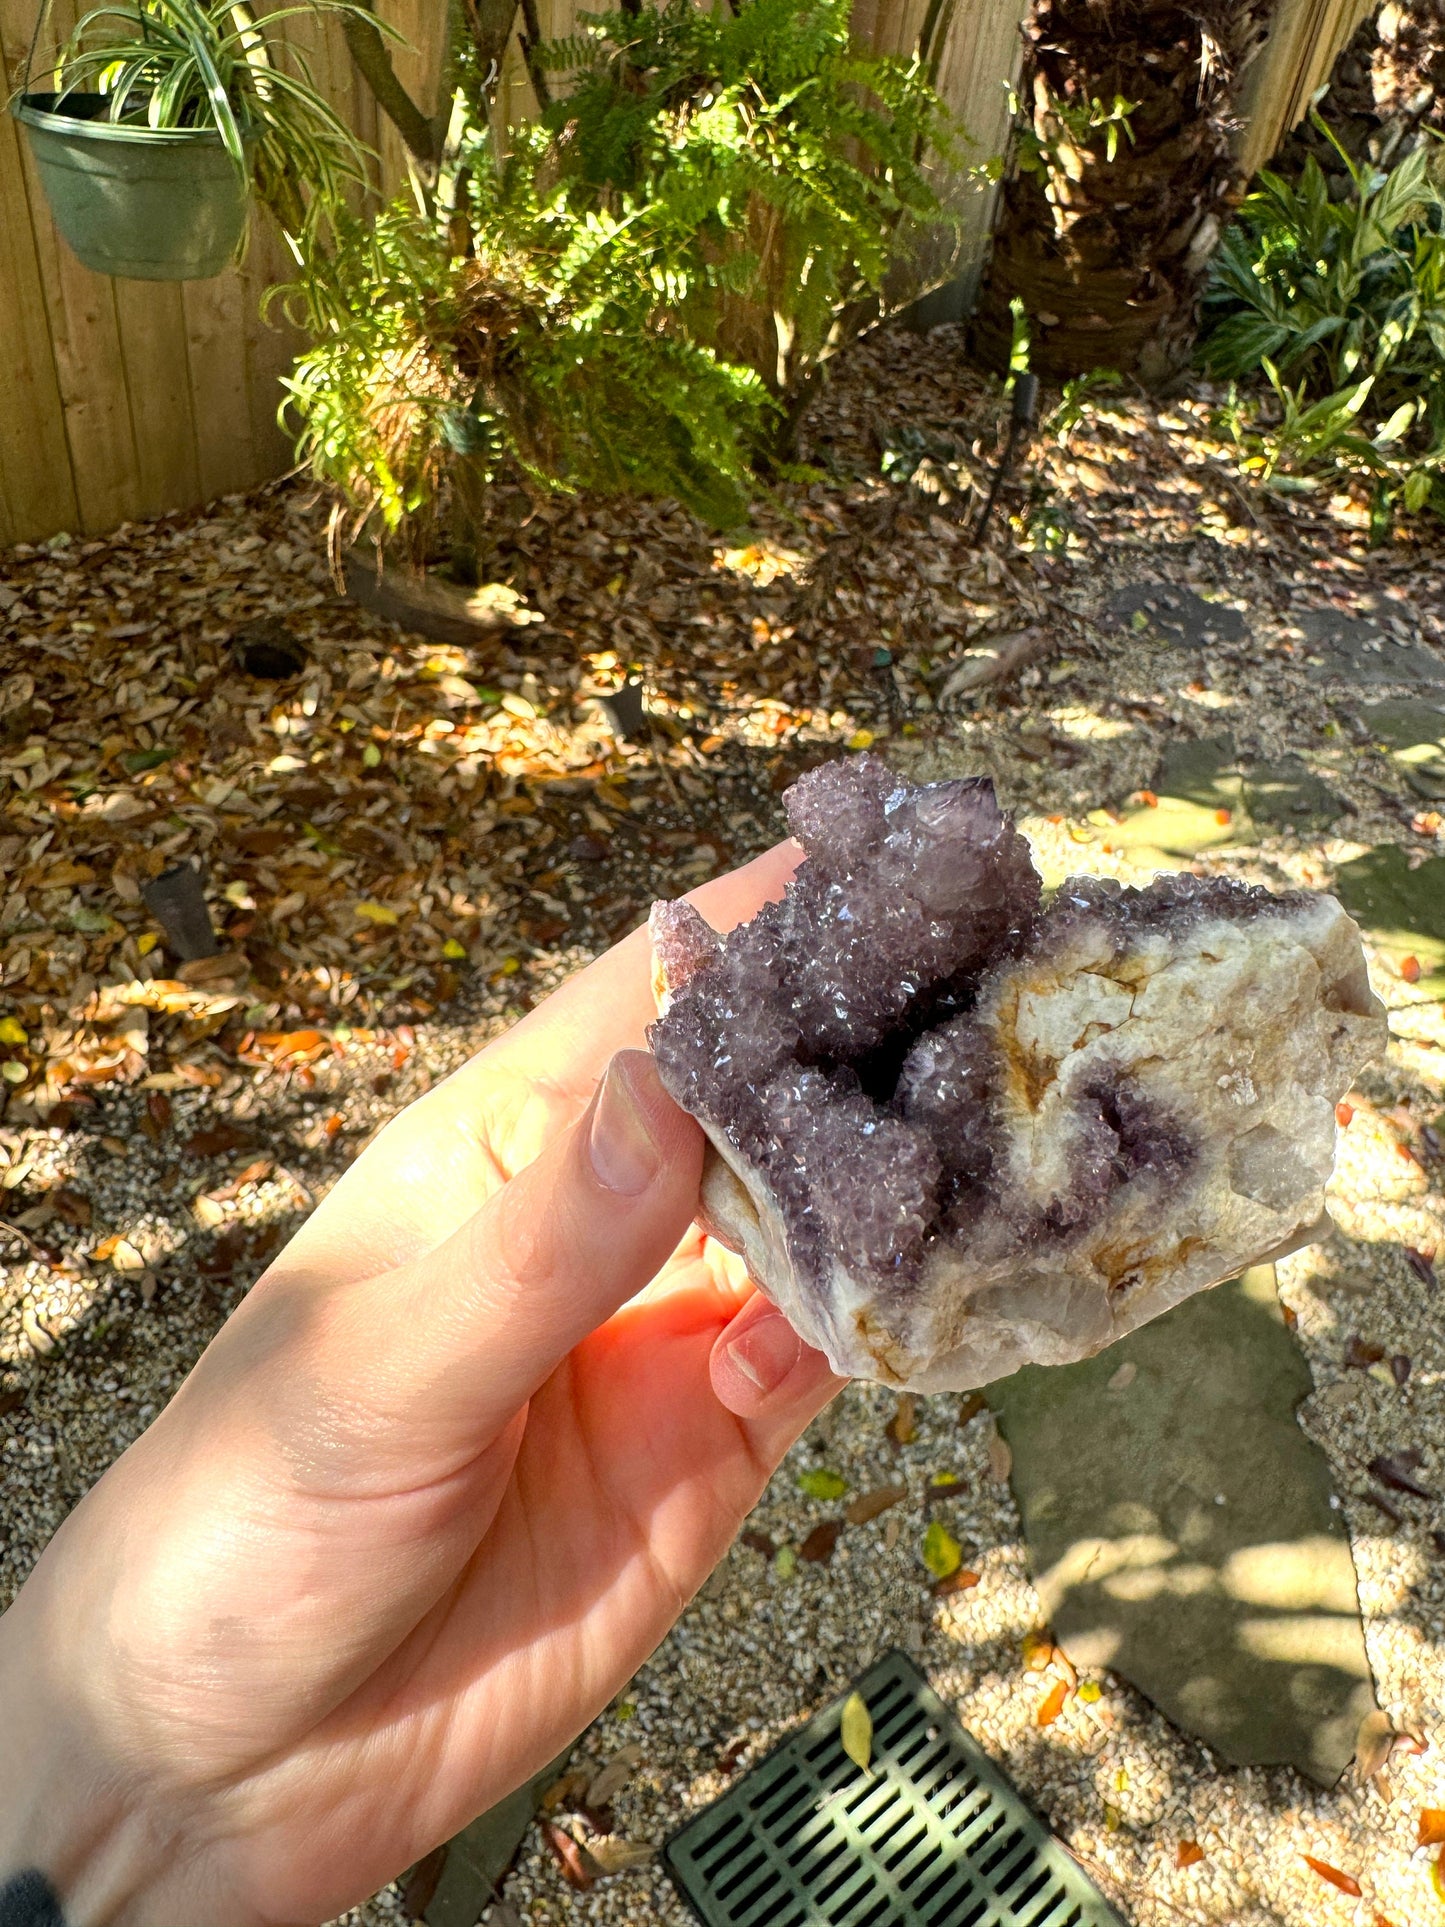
[[373, 63]]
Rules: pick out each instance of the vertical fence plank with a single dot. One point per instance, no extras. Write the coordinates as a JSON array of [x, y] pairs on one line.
[[90, 366], [37, 492], [215, 324], [153, 341], [270, 346]]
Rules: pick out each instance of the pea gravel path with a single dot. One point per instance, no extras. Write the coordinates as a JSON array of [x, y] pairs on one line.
[[202, 1187]]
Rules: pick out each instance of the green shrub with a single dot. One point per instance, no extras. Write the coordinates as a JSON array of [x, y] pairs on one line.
[[1341, 305], [635, 296]]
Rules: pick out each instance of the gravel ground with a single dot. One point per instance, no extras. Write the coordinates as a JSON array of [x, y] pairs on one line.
[[143, 1204]]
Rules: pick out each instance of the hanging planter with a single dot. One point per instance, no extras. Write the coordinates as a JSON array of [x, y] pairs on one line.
[[148, 203], [164, 117]]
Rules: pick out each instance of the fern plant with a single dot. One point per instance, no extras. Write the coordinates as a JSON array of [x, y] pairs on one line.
[[635, 295], [1340, 305], [778, 162]]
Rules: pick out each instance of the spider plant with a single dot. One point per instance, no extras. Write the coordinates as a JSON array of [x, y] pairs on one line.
[[216, 65]]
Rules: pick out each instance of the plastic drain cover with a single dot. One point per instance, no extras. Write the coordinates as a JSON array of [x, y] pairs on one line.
[[931, 1836]]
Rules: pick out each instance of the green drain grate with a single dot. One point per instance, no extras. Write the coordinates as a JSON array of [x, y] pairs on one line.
[[932, 1836]]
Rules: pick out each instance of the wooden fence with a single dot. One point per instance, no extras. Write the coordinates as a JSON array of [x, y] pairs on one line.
[[126, 399]]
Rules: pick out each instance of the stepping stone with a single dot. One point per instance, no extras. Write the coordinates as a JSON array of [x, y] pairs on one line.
[[1287, 795], [1201, 804], [1401, 910], [1414, 733], [1178, 615], [1180, 1529], [1207, 798], [1360, 652]]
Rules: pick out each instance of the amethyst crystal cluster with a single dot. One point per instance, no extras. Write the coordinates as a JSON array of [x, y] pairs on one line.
[[955, 1131]]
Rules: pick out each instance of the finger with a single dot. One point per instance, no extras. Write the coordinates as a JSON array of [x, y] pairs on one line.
[[763, 1372], [435, 1164], [473, 1328]]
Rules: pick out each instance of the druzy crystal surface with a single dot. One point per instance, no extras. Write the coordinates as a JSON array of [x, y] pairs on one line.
[[955, 1130]]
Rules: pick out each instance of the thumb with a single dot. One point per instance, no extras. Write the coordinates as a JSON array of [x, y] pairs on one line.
[[425, 1365]]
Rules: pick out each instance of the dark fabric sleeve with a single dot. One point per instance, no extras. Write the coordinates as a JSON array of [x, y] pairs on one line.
[[28, 1900]]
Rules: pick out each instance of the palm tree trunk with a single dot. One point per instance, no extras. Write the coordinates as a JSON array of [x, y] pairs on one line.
[[1108, 253]]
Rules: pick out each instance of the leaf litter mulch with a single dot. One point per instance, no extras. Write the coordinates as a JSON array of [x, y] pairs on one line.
[[404, 844]]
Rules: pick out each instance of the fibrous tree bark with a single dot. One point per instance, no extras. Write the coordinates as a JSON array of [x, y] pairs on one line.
[[1120, 181]]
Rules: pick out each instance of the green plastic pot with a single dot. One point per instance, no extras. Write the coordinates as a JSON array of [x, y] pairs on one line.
[[147, 203]]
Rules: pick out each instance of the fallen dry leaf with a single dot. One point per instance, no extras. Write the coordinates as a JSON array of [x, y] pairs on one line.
[[904, 1422], [1432, 1827], [1052, 1704], [1188, 1853], [868, 1505], [579, 1869], [1346, 1882], [614, 1773], [1374, 1743], [1395, 1471], [564, 1792], [1038, 1649], [964, 1580], [1422, 1263], [855, 1731], [611, 1854], [1000, 1457], [820, 1543]]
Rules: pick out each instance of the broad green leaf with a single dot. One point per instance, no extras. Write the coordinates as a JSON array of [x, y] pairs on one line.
[[1395, 426], [1417, 489], [942, 1554], [820, 1483], [855, 1730]]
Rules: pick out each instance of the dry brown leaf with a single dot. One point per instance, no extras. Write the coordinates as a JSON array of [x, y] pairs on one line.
[[1052, 1704], [612, 1776], [579, 1869], [868, 1505], [1432, 1827], [612, 1854], [1374, 1743], [1346, 1882], [820, 1543], [964, 1580], [904, 1422], [1188, 1853]]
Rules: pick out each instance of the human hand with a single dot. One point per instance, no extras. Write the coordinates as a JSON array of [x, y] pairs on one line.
[[437, 1488]]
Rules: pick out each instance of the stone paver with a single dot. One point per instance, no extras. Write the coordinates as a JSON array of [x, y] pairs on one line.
[[1182, 1532], [1361, 652]]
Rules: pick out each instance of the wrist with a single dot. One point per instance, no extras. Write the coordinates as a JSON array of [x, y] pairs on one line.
[[62, 1814]]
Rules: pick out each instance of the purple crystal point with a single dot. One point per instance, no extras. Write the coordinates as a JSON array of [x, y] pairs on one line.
[[954, 1133]]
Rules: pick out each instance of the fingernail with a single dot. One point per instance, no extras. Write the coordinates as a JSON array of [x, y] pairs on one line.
[[766, 1352], [624, 1152]]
